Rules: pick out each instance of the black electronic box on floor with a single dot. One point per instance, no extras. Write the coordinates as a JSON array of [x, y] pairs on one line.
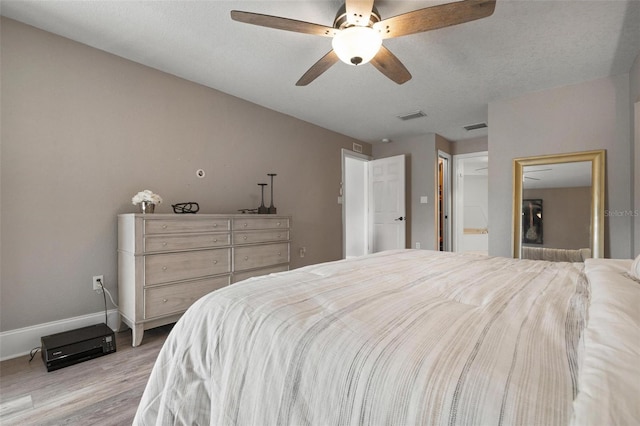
[[74, 346]]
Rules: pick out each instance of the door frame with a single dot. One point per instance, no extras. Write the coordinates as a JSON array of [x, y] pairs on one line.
[[447, 201], [346, 153], [458, 196]]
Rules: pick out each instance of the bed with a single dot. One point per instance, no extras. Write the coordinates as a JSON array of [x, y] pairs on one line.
[[407, 337]]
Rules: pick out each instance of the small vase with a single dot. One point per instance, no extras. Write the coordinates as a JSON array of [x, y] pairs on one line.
[[147, 207]]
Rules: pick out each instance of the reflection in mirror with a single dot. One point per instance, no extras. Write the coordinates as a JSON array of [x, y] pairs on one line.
[[558, 206], [562, 192]]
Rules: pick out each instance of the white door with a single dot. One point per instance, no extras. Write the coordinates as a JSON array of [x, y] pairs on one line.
[[387, 203]]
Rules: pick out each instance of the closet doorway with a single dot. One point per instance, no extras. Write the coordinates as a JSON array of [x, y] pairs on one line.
[[443, 215], [471, 202], [353, 196]]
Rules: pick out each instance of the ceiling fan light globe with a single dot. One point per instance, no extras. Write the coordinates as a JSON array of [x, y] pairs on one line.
[[357, 45]]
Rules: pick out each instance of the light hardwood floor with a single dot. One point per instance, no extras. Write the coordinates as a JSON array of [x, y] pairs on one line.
[[102, 391]]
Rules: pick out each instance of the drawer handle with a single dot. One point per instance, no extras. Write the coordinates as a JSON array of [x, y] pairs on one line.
[[279, 254], [215, 262], [215, 240], [164, 268], [279, 235], [215, 225], [245, 225], [164, 226], [246, 258], [164, 244], [164, 300], [278, 223], [244, 238]]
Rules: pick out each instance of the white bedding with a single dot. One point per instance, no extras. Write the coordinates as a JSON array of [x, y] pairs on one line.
[[610, 374], [408, 337]]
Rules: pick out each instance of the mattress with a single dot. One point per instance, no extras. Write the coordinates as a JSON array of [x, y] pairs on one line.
[[404, 337]]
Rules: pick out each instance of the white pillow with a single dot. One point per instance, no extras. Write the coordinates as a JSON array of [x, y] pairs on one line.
[[635, 268]]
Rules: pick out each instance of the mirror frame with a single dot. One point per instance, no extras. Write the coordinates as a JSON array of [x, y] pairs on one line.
[[597, 159]]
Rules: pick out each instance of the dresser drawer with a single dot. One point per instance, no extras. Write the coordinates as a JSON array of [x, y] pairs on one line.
[[174, 226], [260, 223], [185, 242], [252, 237], [164, 268], [176, 298], [260, 256]]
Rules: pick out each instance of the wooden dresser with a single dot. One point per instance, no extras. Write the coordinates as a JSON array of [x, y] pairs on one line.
[[168, 261]]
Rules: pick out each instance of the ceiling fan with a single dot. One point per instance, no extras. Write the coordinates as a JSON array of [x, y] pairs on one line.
[[524, 175], [358, 32]]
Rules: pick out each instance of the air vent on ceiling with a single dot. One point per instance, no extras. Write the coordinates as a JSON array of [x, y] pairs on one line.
[[475, 126], [412, 115]]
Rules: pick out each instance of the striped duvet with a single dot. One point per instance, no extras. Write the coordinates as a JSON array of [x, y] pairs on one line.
[[407, 337]]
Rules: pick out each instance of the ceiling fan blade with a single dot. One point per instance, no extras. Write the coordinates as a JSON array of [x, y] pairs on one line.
[[283, 23], [318, 68], [388, 64], [359, 11], [539, 170], [432, 18]]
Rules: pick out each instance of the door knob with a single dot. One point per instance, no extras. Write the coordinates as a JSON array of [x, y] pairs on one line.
[[400, 218]]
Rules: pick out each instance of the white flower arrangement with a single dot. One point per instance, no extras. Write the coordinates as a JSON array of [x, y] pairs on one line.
[[148, 196]]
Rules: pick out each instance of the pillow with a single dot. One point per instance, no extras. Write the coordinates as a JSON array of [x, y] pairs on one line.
[[635, 268]]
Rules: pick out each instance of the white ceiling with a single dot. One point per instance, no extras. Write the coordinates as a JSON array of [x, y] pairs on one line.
[[562, 175], [526, 45], [475, 166]]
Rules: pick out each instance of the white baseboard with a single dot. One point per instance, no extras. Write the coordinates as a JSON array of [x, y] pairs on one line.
[[15, 343]]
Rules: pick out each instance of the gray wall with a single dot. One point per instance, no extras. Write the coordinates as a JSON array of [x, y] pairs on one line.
[[469, 146], [585, 116], [566, 216], [83, 131]]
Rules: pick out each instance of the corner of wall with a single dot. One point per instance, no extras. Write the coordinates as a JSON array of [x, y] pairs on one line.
[[19, 342], [443, 144]]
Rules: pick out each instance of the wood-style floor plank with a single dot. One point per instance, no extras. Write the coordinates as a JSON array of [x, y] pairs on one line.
[[102, 391]]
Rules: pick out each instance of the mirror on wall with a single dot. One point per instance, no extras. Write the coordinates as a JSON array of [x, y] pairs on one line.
[[558, 206]]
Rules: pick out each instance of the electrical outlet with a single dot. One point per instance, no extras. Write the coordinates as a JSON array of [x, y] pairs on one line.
[[96, 285], [417, 245], [303, 251]]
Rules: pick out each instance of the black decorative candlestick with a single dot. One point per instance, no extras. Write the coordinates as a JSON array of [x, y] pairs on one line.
[[262, 209], [272, 209]]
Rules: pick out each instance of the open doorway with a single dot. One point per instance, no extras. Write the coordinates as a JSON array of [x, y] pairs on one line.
[[443, 216], [471, 202], [355, 234]]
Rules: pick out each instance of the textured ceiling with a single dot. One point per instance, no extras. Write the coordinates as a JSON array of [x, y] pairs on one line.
[[526, 45]]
